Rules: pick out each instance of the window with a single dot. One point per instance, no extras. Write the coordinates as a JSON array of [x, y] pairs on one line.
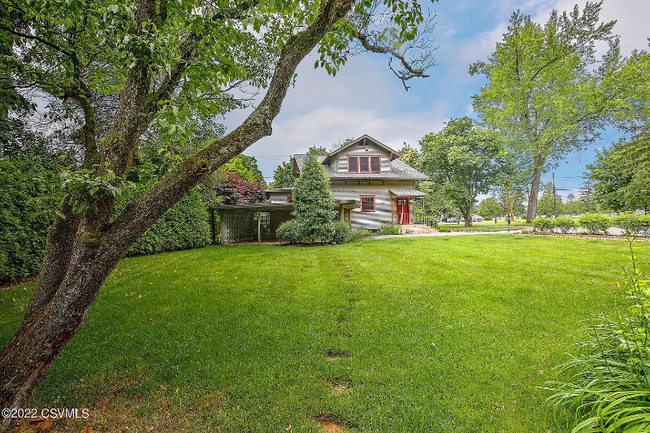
[[367, 204], [353, 165], [375, 164], [364, 164]]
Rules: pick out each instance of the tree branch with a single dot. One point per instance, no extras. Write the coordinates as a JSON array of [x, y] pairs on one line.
[[411, 72], [36, 38], [140, 214]]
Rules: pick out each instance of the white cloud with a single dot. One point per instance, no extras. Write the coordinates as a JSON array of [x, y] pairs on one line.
[[327, 125]]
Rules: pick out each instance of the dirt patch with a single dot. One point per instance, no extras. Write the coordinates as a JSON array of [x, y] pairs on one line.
[[342, 334], [332, 423], [334, 354], [339, 386], [117, 406]]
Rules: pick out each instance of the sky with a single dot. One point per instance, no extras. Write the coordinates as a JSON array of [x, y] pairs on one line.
[[366, 98]]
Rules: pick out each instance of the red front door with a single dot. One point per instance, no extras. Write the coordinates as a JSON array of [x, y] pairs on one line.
[[402, 210]]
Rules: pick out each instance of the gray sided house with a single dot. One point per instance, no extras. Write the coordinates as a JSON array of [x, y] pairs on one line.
[[372, 188]]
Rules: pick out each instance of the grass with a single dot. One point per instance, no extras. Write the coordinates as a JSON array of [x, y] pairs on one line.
[[448, 334]]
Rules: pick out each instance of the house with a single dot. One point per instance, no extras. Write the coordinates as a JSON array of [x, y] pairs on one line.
[[372, 188]]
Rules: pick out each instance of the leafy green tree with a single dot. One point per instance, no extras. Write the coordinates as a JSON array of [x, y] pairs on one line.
[[246, 167], [120, 70], [317, 150], [466, 159], [544, 90], [546, 205], [621, 175], [610, 177], [587, 200], [490, 208], [283, 175]]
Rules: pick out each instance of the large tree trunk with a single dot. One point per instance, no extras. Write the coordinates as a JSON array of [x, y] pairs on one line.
[[83, 249], [468, 216], [538, 166]]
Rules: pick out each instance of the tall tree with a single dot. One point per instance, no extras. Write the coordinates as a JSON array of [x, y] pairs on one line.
[[544, 89], [246, 167], [621, 175], [121, 69], [314, 202], [609, 177], [490, 208], [546, 205], [466, 159], [283, 175]]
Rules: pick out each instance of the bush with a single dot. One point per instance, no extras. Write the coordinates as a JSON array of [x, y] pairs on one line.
[[184, 226], [544, 224], [389, 230], [288, 232], [341, 232], [595, 223], [29, 187], [444, 229], [566, 224], [633, 225], [608, 387]]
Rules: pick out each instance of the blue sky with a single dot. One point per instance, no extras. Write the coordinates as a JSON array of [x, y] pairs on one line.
[[366, 98]]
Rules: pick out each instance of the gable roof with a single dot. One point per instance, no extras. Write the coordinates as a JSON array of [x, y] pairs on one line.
[[365, 139], [400, 170]]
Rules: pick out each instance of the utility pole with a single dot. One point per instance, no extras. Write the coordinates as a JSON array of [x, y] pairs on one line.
[[554, 199]]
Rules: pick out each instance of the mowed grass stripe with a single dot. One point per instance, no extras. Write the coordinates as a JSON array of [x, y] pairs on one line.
[[449, 334]]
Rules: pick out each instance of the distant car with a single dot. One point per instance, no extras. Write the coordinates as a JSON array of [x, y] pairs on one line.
[[477, 218]]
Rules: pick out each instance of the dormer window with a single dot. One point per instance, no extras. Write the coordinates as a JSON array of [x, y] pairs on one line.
[[364, 164]]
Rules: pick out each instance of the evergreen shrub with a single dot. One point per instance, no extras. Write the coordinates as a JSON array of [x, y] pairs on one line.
[[595, 223]]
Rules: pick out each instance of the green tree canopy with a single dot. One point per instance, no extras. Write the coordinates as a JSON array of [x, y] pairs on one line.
[[546, 205], [466, 159], [490, 208], [283, 175], [246, 167], [621, 175], [543, 89]]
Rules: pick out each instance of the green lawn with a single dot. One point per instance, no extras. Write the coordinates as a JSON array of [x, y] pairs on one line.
[[442, 334]]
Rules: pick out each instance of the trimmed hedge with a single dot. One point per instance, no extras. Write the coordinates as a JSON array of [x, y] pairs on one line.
[[28, 184], [565, 224], [633, 225], [544, 224], [595, 223], [186, 225]]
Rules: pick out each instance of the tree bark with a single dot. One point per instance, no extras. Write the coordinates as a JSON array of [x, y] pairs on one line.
[[538, 166], [83, 249], [468, 216]]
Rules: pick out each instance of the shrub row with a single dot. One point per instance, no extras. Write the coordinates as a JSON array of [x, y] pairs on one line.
[[291, 232], [29, 187], [631, 224], [186, 225], [28, 184]]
